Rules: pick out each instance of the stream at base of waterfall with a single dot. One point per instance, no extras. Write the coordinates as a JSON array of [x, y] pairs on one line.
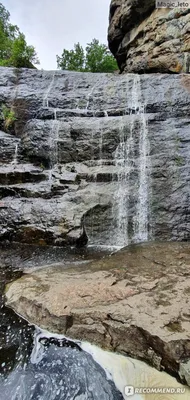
[[61, 369]]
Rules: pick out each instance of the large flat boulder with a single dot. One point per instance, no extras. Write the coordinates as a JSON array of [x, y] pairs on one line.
[[135, 302], [145, 39]]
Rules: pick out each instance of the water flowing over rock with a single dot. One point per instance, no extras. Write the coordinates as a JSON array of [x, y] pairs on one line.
[[146, 39], [94, 155], [58, 370], [62, 369], [131, 168]]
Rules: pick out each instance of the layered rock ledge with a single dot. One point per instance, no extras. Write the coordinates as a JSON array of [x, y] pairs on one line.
[[135, 302], [145, 39], [60, 164]]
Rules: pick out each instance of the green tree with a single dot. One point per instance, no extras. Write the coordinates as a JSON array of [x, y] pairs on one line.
[[73, 60], [99, 58], [95, 58], [14, 51]]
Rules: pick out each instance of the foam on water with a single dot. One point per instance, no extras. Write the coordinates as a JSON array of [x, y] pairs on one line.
[[81, 371], [56, 372]]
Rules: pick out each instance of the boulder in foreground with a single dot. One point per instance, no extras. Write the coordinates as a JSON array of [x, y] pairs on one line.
[[135, 302]]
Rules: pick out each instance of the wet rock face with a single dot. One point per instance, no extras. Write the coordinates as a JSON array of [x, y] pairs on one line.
[[144, 39], [60, 167]]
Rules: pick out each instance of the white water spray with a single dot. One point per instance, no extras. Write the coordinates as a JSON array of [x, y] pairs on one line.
[[45, 99], [15, 157], [132, 226], [53, 147]]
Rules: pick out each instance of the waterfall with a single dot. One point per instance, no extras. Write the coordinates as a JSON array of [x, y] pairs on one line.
[[53, 147], [100, 161], [121, 196], [130, 205], [15, 157], [88, 98], [54, 133], [141, 218], [45, 99]]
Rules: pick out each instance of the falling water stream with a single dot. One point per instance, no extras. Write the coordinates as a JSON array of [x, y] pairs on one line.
[[46, 96], [53, 147], [130, 206], [15, 158], [54, 132]]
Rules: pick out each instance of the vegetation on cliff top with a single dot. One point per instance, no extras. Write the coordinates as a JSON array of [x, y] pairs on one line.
[[96, 57], [14, 51]]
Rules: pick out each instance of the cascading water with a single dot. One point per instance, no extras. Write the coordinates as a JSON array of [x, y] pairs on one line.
[[45, 99], [61, 369], [58, 369], [141, 217], [53, 147], [88, 99], [132, 226], [15, 158], [54, 133]]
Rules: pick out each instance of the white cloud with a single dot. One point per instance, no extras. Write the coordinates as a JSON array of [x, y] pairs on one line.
[[51, 25]]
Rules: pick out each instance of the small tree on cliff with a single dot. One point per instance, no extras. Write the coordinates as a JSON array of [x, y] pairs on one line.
[[95, 58], [14, 51]]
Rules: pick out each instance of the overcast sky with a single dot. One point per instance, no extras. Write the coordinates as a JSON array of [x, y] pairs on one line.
[[51, 25]]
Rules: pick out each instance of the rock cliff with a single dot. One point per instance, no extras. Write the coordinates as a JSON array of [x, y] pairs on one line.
[[146, 39], [104, 154]]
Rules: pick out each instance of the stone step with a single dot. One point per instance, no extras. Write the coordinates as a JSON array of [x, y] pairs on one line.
[[9, 148], [19, 173], [59, 113]]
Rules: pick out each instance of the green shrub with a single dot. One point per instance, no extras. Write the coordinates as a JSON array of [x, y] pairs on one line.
[[8, 117]]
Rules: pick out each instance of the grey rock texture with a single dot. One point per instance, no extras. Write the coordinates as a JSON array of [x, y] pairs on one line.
[[146, 39], [58, 169], [135, 302]]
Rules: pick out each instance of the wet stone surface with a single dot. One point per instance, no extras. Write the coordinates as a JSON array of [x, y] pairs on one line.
[[48, 367]]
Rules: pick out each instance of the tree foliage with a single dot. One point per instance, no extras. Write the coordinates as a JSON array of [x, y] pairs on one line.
[[14, 51], [72, 60], [95, 58]]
